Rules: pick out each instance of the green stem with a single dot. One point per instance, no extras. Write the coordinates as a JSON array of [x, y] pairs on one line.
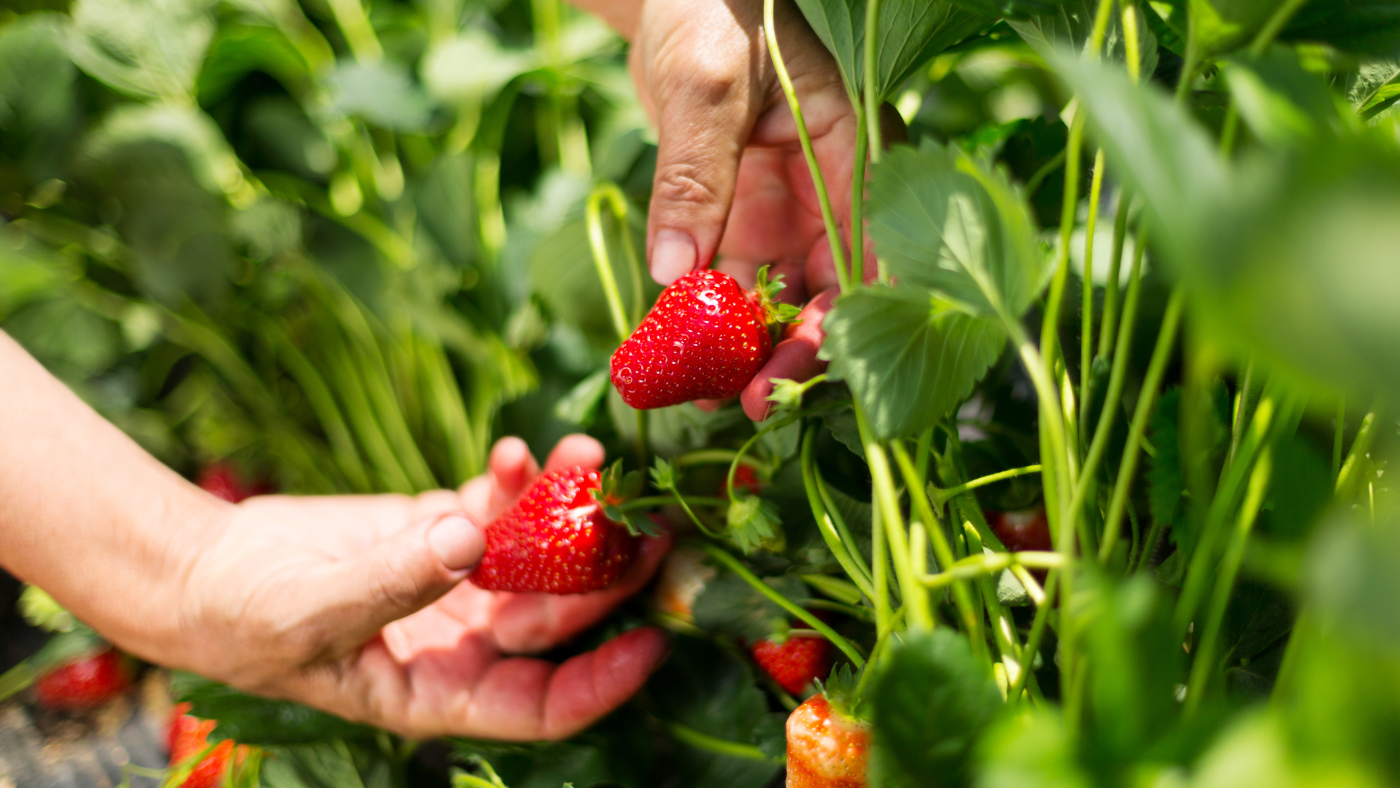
[[1243, 406], [1277, 21], [845, 555], [871, 94], [1033, 185], [1203, 558], [1049, 331], [857, 272], [1109, 322], [680, 499], [1338, 432], [1360, 445], [1086, 317], [923, 509], [732, 564], [879, 576], [599, 244], [833, 234], [1166, 337], [887, 501], [663, 500], [1203, 664], [704, 741], [354, 23], [941, 496], [1042, 617], [980, 565], [718, 457]]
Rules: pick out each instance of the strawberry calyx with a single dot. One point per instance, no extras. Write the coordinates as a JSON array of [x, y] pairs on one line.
[[765, 293], [616, 488], [842, 692]]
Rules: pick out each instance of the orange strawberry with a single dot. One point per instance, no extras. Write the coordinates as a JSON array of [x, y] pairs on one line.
[[825, 749]]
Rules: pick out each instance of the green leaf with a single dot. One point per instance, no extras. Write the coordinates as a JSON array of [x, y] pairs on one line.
[[146, 48], [931, 702], [1372, 86], [43, 611], [1299, 492], [1015, 9], [37, 97], [911, 32], [1351, 579], [1031, 750], [753, 523], [472, 66], [131, 127], [730, 606], [1364, 27], [1257, 618], [711, 690], [252, 720], [1069, 27], [1280, 101], [943, 222], [382, 94], [238, 49], [907, 358], [1161, 153], [1222, 25]]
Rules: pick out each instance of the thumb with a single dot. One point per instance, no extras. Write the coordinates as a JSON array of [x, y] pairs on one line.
[[705, 115], [404, 573]]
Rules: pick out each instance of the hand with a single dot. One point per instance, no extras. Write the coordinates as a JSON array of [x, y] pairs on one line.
[[355, 605], [731, 178]]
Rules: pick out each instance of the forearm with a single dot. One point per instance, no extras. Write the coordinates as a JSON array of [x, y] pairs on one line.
[[88, 515], [621, 15]]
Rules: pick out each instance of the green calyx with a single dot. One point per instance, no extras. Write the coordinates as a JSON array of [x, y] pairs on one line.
[[766, 291]]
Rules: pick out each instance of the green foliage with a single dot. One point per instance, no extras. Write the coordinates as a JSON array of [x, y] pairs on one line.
[[912, 32], [931, 701], [1069, 25], [252, 720], [730, 606]]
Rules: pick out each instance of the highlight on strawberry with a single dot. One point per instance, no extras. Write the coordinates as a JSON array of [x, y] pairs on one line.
[[827, 741], [566, 534], [705, 338]]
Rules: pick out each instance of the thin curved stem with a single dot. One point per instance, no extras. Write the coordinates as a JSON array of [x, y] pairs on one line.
[[1086, 317], [599, 245], [704, 741], [941, 496], [833, 233], [732, 564]]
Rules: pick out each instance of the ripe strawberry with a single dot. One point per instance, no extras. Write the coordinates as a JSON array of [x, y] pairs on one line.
[[794, 661], [683, 577], [1023, 530], [825, 748], [745, 478], [189, 736], [84, 683], [704, 339], [222, 481], [555, 539]]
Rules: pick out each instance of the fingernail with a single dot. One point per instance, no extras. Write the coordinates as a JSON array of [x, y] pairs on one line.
[[457, 542], [672, 256]]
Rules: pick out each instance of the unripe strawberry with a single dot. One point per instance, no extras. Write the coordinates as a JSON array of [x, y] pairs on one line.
[[683, 576], [825, 749], [555, 540]]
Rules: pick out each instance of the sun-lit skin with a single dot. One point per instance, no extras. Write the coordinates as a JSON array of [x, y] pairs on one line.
[[824, 748], [704, 339]]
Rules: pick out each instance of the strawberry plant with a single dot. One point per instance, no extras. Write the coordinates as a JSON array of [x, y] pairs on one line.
[[1090, 491]]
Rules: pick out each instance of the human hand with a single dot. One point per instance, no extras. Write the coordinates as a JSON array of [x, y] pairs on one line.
[[354, 605], [731, 177]]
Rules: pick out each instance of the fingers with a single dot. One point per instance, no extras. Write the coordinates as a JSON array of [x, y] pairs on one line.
[[512, 469], [398, 576], [698, 66], [530, 623], [590, 685], [795, 358], [574, 450]]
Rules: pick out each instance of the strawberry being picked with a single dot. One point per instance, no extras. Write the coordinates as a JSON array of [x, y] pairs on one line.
[[84, 683], [826, 748], [795, 661], [557, 538], [704, 339], [189, 736]]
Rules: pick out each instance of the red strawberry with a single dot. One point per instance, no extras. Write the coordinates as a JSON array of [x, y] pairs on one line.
[[704, 339], [555, 540], [84, 683], [1023, 530], [745, 478], [222, 481], [825, 749], [189, 736], [795, 661]]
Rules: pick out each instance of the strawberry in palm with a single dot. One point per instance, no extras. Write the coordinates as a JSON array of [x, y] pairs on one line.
[[704, 339], [826, 747], [556, 539], [84, 683]]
